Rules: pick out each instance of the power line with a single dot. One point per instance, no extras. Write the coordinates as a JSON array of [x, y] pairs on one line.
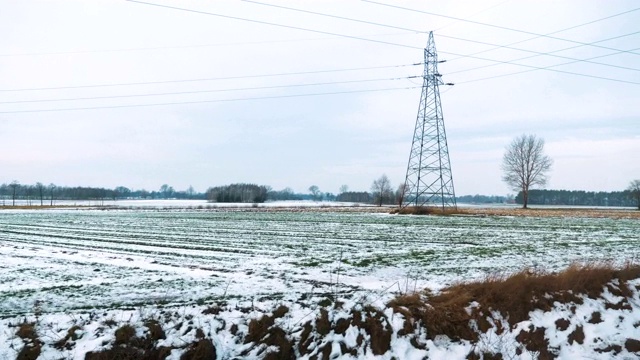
[[452, 37], [208, 101], [553, 52], [556, 32], [474, 14], [541, 54], [182, 46], [498, 26], [543, 68], [274, 24], [446, 36], [351, 19], [335, 16], [209, 91], [214, 78]]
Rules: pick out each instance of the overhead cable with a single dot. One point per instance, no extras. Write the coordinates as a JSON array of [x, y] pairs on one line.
[[335, 16], [446, 36], [542, 68], [543, 53], [553, 52], [213, 78], [181, 46], [275, 24], [556, 32], [207, 101], [472, 15], [207, 91], [498, 26]]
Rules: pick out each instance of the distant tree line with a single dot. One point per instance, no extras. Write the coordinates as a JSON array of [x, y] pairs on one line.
[[578, 198], [41, 194], [355, 197], [238, 193], [284, 194], [483, 199]]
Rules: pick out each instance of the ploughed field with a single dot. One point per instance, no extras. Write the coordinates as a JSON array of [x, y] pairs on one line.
[[70, 260]]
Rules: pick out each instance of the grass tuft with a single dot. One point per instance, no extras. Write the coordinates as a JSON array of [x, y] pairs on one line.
[[32, 344], [203, 349]]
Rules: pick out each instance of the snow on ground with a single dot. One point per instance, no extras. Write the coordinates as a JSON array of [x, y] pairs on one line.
[[181, 203], [112, 258], [85, 267], [607, 338]]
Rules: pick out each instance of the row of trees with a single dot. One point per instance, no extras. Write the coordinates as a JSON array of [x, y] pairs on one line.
[[381, 193], [41, 194]]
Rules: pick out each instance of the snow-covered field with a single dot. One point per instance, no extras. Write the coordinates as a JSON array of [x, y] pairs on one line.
[[176, 204], [77, 261], [70, 260]]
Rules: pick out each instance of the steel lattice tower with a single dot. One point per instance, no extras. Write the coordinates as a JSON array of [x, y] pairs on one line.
[[429, 180]]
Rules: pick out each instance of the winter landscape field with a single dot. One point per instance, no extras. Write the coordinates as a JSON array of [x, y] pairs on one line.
[[79, 267]]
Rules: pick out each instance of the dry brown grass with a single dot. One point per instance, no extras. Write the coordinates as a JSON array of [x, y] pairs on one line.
[[67, 341], [513, 296]]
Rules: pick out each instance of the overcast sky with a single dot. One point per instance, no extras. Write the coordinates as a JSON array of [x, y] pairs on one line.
[[219, 133]]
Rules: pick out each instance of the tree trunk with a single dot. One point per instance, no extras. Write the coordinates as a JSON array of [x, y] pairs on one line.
[[525, 198]]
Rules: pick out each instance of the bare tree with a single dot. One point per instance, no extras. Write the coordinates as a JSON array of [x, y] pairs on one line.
[[634, 189], [344, 188], [402, 189], [381, 189], [4, 190], [122, 192], [40, 187], [525, 165], [14, 185], [52, 187], [166, 191], [315, 192]]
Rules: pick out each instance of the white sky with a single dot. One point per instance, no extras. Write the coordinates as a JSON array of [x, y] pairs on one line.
[[591, 126]]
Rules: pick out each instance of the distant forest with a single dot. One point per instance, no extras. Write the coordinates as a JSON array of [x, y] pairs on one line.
[[578, 198], [41, 194]]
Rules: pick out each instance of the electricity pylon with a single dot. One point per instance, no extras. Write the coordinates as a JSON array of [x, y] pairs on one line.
[[429, 181]]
